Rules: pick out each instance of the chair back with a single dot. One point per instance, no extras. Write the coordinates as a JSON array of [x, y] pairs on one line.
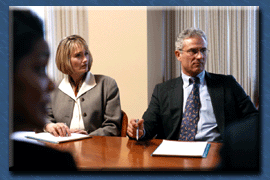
[[124, 124]]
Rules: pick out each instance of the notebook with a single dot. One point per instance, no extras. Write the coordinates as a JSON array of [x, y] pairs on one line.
[[182, 148], [47, 137]]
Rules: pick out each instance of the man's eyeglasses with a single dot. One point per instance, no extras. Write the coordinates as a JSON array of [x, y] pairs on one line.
[[193, 52]]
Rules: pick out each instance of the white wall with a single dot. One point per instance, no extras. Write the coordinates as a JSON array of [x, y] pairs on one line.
[[118, 43]]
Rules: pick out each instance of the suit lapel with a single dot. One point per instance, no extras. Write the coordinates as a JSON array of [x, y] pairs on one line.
[[176, 106], [66, 88], [176, 95], [216, 92]]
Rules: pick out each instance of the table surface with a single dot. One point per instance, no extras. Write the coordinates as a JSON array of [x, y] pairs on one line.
[[121, 153]]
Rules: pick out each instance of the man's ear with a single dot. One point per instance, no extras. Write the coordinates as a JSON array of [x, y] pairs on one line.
[[178, 55]]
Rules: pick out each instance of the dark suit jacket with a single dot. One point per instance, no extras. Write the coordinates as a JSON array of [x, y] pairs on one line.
[[164, 114], [33, 157], [100, 107], [241, 149]]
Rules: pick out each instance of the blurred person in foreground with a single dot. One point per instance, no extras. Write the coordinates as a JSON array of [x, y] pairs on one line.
[[241, 146], [82, 102], [198, 105], [31, 88]]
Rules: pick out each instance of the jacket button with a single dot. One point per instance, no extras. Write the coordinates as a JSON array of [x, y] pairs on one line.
[[84, 114], [82, 99]]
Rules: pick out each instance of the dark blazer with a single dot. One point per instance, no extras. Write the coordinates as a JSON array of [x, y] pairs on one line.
[[33, 157], [164, 114], [100, 106], [241, 146]]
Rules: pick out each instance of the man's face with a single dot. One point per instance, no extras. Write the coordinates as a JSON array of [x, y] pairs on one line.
[[192, 63]]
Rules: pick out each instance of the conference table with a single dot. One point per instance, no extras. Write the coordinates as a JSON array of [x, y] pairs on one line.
[[103, 153]]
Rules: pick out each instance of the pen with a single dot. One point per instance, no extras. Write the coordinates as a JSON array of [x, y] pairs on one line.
[[137, 130]]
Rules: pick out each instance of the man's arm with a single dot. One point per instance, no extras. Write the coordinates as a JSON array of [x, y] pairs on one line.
[[244, 106], [152, 116], [148, 125]]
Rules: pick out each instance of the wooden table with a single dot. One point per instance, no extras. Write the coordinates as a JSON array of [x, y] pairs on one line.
[[120, 153]]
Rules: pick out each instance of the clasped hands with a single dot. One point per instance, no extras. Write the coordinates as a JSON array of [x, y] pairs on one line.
[[132, 128], [61, 129]]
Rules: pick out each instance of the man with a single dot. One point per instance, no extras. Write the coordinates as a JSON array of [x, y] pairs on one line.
[[221, 99]]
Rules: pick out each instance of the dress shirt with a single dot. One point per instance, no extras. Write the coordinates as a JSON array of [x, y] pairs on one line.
[[207, 125]]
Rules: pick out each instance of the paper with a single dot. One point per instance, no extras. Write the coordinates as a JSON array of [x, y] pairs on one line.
[[179, 148], [45, 136]]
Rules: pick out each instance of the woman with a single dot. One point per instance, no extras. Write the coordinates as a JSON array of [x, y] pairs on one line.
[[82, 102], [31, 88]]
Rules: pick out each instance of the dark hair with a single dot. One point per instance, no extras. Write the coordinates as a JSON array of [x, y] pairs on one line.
[[26, 29]]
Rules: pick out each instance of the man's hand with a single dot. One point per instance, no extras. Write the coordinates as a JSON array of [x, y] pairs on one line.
[[58, 129], [132, 127]]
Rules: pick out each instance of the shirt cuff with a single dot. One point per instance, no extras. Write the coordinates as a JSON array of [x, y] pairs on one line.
[[143, 134]]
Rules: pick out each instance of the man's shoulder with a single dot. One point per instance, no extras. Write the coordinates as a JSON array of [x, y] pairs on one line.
[[215, 75], [172, 83], [218, 78]]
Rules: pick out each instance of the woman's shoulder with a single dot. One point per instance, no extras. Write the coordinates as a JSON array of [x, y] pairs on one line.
[[105, 82], [104, 78], [58, 82]]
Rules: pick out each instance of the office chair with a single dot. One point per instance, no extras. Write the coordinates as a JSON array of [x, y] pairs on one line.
[[124, 124]]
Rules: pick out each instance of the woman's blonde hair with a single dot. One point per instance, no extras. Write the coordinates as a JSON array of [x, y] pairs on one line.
[[64, 50]]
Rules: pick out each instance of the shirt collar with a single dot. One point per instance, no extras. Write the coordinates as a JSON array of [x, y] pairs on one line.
[[88, 84], [186, 78]]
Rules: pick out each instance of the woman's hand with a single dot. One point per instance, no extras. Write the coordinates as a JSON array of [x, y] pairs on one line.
[[78, 131], [58, 129]]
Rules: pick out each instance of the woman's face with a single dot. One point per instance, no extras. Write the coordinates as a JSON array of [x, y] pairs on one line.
[[79, 60], [32, 87]]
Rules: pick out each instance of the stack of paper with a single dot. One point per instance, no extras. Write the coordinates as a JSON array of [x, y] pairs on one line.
[[182, 148]]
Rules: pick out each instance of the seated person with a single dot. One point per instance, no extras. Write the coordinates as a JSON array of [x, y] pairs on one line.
[[82, 102], [216, 100], [241, 146], [31, 88]]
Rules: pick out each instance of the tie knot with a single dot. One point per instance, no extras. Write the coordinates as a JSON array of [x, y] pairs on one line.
[[195, 80]]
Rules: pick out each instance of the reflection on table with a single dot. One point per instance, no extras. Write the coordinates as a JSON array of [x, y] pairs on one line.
[[121, 153]]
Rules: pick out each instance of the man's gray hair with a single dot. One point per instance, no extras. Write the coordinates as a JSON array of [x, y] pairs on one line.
[[187, 33]]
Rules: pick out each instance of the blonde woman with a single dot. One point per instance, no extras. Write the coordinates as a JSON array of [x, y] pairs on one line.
[[82, 102]]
